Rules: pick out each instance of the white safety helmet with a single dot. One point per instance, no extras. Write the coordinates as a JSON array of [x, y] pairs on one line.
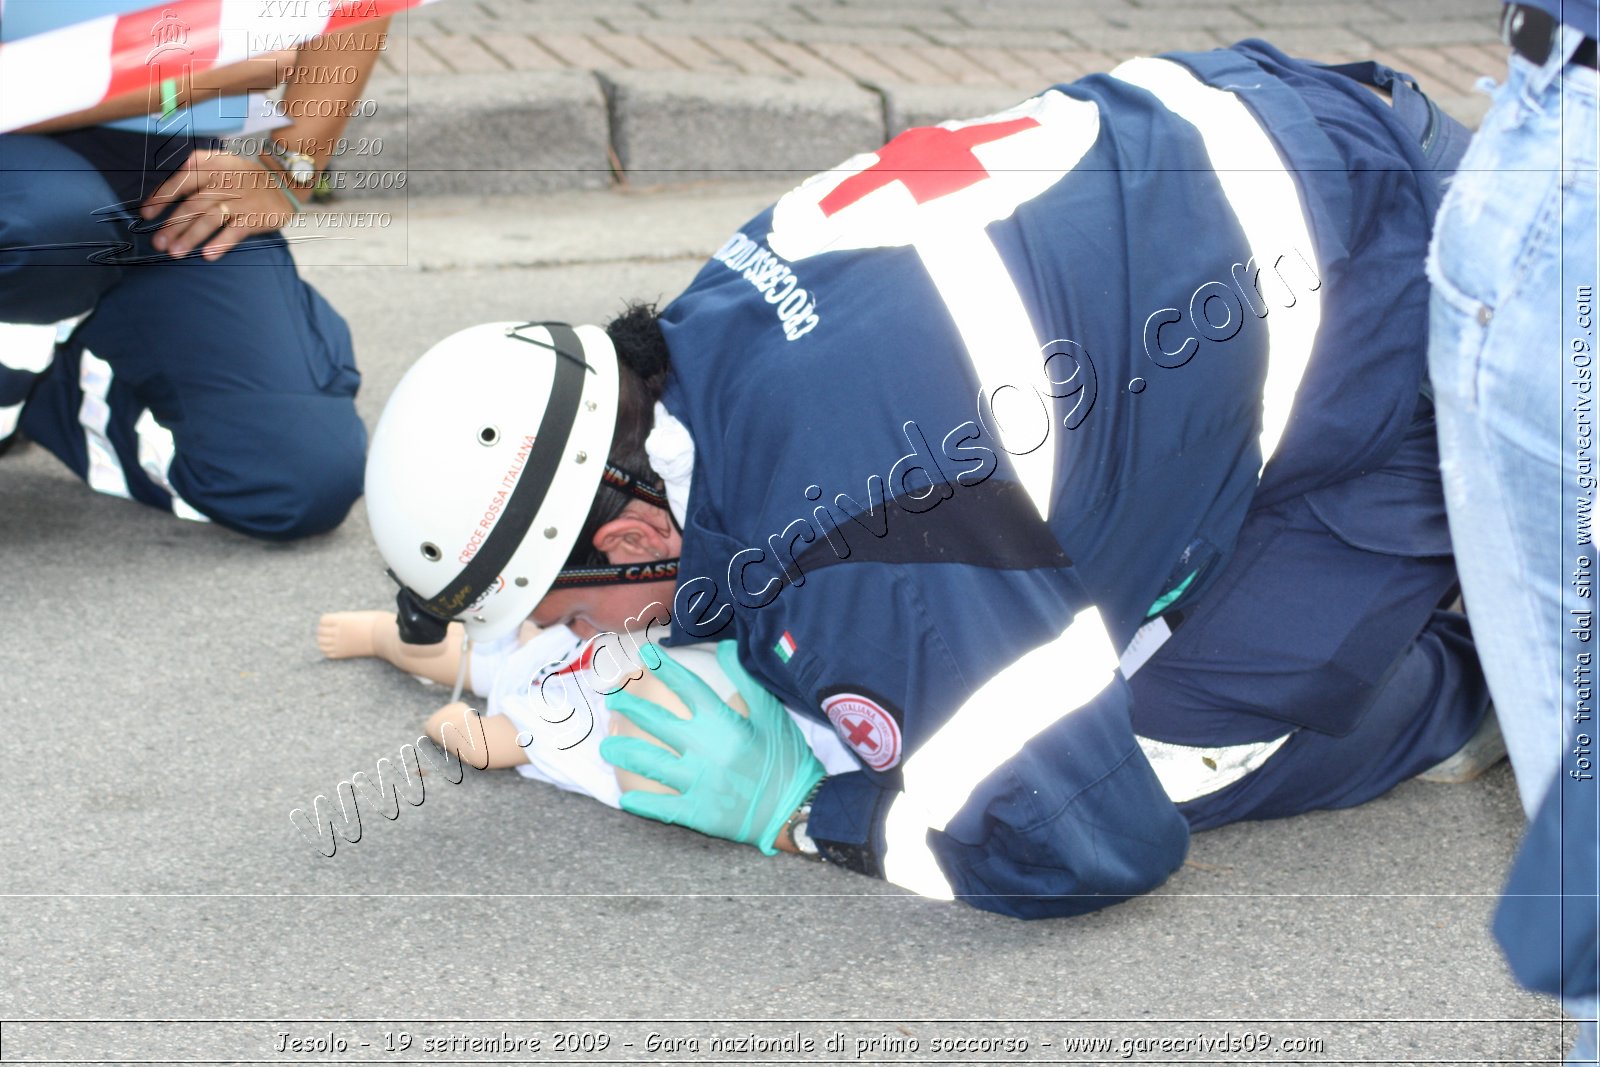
[[483, 470]]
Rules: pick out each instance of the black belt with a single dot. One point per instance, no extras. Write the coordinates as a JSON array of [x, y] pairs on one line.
[[1532, 33]]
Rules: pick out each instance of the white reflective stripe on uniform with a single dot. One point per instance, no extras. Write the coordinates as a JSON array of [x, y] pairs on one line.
[[990, 728], [156, 450], [1187, 772], [908, 862], [988, 312], [65, 327], [105, 472], [9, 417], [1146, 643], [1266, 201], [27, 347], [185, 510]]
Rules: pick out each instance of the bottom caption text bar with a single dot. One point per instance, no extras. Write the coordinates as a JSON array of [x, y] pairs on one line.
[[124, 1041]]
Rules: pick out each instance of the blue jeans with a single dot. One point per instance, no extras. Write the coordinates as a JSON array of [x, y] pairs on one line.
[[1512, 362]]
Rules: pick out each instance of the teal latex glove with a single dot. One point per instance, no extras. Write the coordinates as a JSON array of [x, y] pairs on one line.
[[738, 778]]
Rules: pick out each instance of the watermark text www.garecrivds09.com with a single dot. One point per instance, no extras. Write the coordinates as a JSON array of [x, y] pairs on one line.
[[776, 1040]]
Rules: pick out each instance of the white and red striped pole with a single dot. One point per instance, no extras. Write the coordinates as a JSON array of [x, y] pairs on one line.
[[78, 66]]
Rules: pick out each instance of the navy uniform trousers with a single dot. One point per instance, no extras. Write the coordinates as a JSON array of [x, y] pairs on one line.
[[223, 390], [1297, 634]]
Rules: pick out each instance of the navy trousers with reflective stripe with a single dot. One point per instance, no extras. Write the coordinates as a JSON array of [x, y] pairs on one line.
[[1302, 632], [230, 383], [1326, 622]]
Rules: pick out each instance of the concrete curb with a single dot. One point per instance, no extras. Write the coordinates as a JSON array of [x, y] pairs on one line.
[[672, 127], [905, 106], [481, 134]]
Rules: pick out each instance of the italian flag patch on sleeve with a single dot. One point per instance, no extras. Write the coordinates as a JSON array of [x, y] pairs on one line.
[[785, 646]]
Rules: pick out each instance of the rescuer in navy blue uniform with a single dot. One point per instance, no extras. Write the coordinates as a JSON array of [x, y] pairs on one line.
[[1075, 463]]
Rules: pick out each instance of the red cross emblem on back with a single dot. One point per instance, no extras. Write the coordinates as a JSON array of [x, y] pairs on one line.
[[930, 161]]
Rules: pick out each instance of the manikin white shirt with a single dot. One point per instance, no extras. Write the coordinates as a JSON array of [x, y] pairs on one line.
[[551, 688]]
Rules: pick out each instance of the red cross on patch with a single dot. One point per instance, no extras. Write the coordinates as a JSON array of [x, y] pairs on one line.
[[859, 734], [930, 161], [866, 726]]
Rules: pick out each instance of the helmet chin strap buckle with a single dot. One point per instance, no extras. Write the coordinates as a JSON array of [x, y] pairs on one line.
[[417, 625]]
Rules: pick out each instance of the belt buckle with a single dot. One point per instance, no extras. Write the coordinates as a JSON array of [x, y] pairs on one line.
[[1528, 31]]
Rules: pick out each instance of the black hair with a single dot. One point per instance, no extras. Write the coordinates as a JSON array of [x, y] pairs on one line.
[[642, 365]]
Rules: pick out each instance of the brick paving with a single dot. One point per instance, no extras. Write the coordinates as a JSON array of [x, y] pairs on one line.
[[1448, 44]]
